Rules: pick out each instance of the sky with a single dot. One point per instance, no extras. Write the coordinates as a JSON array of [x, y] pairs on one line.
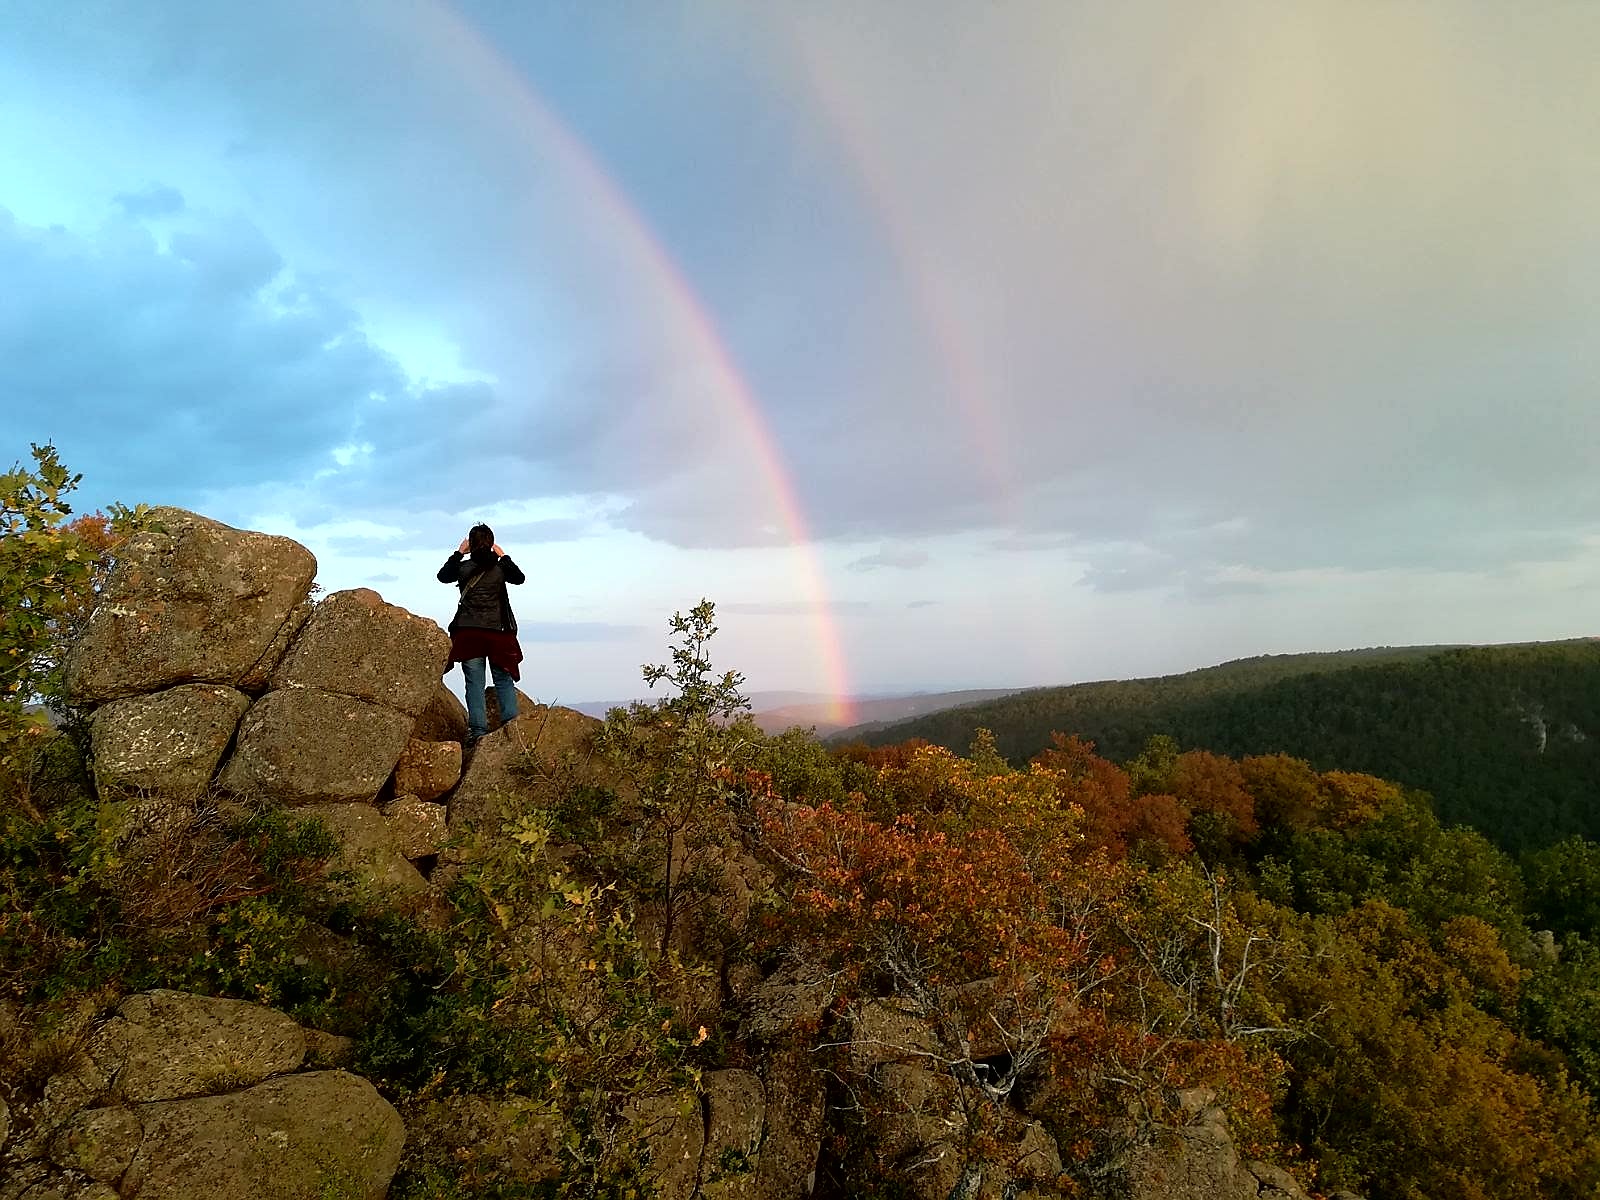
[[940, 345]]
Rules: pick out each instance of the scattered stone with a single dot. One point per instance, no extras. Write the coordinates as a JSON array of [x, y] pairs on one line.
[[100, 1142], [357, 645], [427, 770], [165, 1045], [322, 1133], [786, 1003], [420, 828], [370, 852], [168, 743], [190, 601], [309, 746]]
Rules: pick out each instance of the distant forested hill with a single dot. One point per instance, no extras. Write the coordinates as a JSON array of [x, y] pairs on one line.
[[1506, 738]]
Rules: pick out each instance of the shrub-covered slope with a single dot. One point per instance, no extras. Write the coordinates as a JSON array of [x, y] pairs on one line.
[[1506, 738]]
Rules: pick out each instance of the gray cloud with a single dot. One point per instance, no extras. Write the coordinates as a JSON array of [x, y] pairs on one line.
[[1244, 290], [900, 559]]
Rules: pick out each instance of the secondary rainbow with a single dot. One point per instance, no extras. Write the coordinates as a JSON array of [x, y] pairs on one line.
[[460, 41]]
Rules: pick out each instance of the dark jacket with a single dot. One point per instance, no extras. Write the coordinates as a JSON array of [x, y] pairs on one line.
[[485, 605]]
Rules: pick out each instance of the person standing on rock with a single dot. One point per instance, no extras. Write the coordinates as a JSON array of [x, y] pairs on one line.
[[484, 628]]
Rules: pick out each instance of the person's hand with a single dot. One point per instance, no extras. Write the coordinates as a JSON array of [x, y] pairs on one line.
[[498, 552], [462, 549]]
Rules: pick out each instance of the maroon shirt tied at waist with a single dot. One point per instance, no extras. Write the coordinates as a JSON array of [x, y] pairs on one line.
[[499, 648]]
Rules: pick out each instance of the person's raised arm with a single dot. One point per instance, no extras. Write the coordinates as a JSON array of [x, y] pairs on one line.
[[451, 571], [509, 569]]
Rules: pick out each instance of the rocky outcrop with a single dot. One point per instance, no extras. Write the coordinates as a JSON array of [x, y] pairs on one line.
[[178, 1096], [357, 645], [168, 743], [190, 601], [1198, 1161], [310, 746], [509, 761]]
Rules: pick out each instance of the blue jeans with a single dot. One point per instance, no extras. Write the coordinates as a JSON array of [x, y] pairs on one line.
[[505, 691]]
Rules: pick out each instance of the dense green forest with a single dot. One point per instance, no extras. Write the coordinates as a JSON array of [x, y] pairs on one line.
[[1505, 738]]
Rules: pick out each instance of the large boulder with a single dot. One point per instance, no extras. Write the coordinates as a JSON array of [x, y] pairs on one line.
[[255, 679], [165, 1045], [190, 601], [427, 770], [1198, 1161], [168, 743], [357, 645], [308, 746], [323, 1133], [541, 743]]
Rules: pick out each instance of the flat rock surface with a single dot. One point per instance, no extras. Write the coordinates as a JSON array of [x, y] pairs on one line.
[[191, 601], [307, 746], [167, 743], [165, 1045], [318, 1134], [356, 644]]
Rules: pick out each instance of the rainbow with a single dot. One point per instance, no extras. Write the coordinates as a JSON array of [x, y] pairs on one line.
[[460, 41], [929, 288]]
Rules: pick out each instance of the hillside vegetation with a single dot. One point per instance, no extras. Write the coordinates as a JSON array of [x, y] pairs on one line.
[[968, 977], [1505, 738]]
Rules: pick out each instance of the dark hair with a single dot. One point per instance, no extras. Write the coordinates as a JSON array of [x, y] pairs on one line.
[[480, 537]]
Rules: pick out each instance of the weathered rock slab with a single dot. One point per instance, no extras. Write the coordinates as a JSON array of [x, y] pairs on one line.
[[254, 681], [322, 1133], [168, 743], [369, 851], [356, 644], [165, 1045], [427, 770], [191, 601], [308, 746]]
